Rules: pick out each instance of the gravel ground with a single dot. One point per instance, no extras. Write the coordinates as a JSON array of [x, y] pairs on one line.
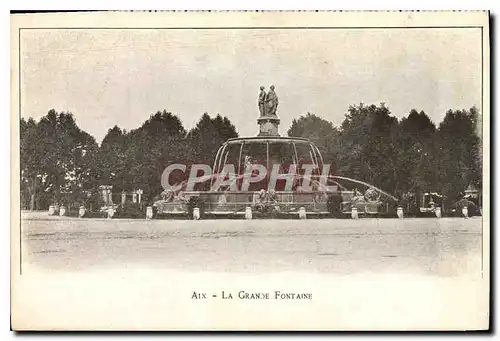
[[420, 246]]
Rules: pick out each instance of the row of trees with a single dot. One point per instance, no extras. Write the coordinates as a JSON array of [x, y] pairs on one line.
[[59, 161], [401, 156]]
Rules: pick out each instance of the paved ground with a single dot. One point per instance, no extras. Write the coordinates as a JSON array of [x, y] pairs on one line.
[[420, 246]]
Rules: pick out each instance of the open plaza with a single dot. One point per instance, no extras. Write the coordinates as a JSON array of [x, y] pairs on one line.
[[426, 246]]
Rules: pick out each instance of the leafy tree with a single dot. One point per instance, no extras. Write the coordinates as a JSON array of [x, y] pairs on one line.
[[416, 164], [150, 148], [369, 146], [207, 136], [30, 161], [112, 158], [459, 158], [57, 157]]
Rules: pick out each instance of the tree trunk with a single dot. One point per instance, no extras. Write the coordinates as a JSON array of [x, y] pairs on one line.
[[394, 174], [57, 190], [32, 203]]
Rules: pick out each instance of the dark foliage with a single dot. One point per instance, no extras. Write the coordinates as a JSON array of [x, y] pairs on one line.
[[407, 156]]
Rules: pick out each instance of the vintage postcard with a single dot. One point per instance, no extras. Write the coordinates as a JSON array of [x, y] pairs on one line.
[[250, 171]]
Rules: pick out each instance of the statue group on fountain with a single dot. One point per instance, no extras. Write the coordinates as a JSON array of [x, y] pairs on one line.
[[266, 201], [268, 102]]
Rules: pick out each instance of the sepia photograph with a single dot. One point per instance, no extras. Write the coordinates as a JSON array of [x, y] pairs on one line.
[[250, 171]]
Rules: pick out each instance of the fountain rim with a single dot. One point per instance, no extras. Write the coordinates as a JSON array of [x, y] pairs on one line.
[[268, 138]]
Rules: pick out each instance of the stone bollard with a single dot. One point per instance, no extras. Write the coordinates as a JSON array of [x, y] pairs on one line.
[[465, 212], [354, 213], [302, 213], [149, 212], [62, 211], [248, 213], [438, 212], [81, 211], [52, 210], [400, 213], [111, 212], [196, 213]]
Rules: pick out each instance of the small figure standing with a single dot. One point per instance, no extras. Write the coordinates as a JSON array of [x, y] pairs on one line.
[[271, 102], [432, 205], [260, 200], [262, 101]]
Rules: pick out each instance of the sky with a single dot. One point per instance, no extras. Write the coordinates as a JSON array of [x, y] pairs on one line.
[[121, 77]]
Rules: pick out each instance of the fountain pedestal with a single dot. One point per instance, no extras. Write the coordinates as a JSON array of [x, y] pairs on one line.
[[268, 125]]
